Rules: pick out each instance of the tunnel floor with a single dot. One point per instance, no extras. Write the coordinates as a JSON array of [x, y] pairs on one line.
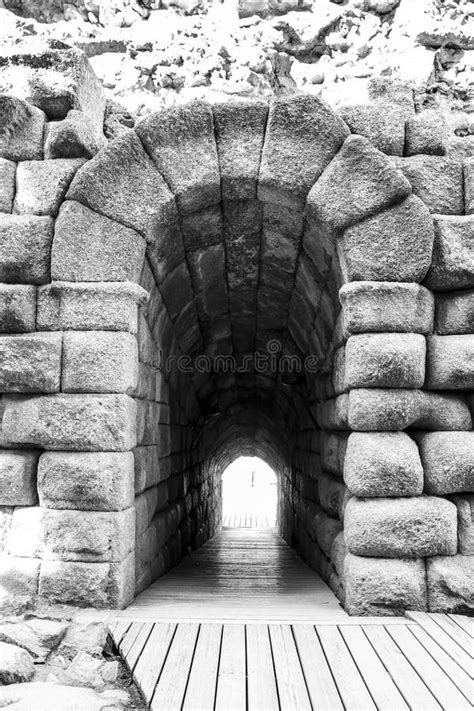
[[240, 574]]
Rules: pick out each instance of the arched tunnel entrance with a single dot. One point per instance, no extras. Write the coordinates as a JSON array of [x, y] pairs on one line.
[[232, 280], [249, 494]]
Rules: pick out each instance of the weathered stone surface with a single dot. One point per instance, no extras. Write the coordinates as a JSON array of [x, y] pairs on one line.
[[25, 246], [19, 583], [332, 414], [76, 136], [450, 582], [166, 253], [401, 528], [122, 183], [450, 363], [16, 664], [448, 461], [468, 170], [393, 360], [454, 312], [31, 362], [384, 586], [182, 144], [331, 492], [338, 554], [106, 306], [57, 697], [394, 245], [382, 123], [89, 637], [465, 506], [426, 132], [453, 259], [396, 409], [382, 464], [203, 228], [384, 306], [303, 135], [17, 308], [7, 184], [18, 477], [358, 183], [240, 131], [86, 480], [37, 635], [41, 185], [437, 181], [72, 422], [23, 139]]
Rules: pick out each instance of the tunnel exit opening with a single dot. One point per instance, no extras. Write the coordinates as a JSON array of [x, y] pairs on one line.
[[249, 494]]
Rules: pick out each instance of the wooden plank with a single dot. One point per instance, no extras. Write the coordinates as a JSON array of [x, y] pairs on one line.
[[201, 689], [454, 630], [129, 638], [379, 683], [261, 683], [444, 640], [119, 629], [137, 647], [446, 693], [171, 686], [351, 686], [291, 685], [466, 623], [152, 659], [231, 684], [457, 675], [319, 680], [413, 689]]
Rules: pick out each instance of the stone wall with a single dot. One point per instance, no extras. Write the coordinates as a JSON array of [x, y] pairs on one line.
[[337, 242]]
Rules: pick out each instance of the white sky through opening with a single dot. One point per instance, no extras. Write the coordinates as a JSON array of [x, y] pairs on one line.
[[249, 494]]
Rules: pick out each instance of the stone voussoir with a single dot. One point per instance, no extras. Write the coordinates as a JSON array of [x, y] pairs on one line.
[[42, 184]]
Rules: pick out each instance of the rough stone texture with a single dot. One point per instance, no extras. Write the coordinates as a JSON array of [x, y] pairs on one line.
[[7, 184], [385, 306], [453, 258], [454, 313], [72, 422], [57, 697], [89, 637], [450, 363], [468, 169], [23, 139], [182, 144], [396, 409], [393, 360], [465, 506], [331, 493], [448, 461], [384, 586], [19, 588], [37, 635], [303, 135], [31, 363], [77, 136], [383, 124], [450, 582], [41, 185], [426, 132], [240, 131], [383, 464], [25, 246], [333, 451], [86, 481], [437, 181], [18, 478], [16, 665], [370, 252], [17, 308], [401, 528]]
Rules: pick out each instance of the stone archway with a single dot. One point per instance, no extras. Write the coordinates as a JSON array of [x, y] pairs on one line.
[[225, 231]]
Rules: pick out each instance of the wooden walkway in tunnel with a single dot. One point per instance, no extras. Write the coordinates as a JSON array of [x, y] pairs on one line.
[[243, 624]]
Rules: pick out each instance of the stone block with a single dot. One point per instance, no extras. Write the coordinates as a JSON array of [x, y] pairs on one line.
[[437, 181], [454, 312], [7, 184], [145, 505], [31, 362], [19, 578], [450, 363], [382, 123], [392, 360], [331, 492], [333, 451], [369, 250], [166, 253], [240, 131], [452, 264], [99, 362], [17, 308], [208, 274], [450, 583], [332, 414], [382, 464], [18, 478], [413, 527], [426, 132], [24, 138], [468, 170], [82, 306], [384, 586], [25, 246], [122, 183], [90, 481], [371, 306], [76, 136], [395, 409], [202, 229], [71, 422], [465, 506], [448, 461], [338, 554], [303, 134], [42, 184], [151, 467], [182, 144], [358, 183]]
